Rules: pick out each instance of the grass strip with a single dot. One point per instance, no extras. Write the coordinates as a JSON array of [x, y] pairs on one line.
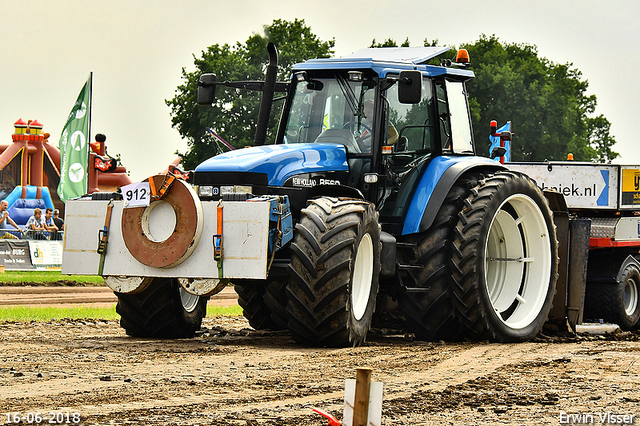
[[48, 313], [224, 311], [47, 277]]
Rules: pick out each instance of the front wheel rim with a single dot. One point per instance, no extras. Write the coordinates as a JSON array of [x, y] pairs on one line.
[[518, 261], [630, 296], [362, 277]]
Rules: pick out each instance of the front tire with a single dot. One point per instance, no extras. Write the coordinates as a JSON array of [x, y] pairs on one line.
[[505, 259], [162, 310], [263, 303], [334, 270]]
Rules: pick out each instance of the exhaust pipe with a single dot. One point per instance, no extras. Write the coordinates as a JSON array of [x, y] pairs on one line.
[[267, 96]]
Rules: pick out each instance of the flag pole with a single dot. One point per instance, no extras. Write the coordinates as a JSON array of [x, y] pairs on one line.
[[89, 135]]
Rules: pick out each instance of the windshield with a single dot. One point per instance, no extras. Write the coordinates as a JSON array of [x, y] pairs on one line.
[[332, 110]]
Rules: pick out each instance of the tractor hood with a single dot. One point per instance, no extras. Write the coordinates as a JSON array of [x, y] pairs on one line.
[[280, 162]]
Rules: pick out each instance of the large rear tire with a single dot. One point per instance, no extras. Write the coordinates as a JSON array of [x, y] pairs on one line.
[[428, 306], [162, 310], [335, 266], [505, 259], [263, 303]]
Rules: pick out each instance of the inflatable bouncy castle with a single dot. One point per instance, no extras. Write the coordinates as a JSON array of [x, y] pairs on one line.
[[30, 171]]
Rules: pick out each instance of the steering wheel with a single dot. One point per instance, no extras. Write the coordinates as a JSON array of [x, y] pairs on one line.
[[353, 124], [363, 142]]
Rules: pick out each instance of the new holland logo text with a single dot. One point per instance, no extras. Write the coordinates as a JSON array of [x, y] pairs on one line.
[[310, 182]]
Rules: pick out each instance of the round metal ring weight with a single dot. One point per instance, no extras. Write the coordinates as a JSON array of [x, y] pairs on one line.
[[137, 223]]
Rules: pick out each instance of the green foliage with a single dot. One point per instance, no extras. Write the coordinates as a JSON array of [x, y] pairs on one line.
[[546, 103], [432, 43], [390, 43], [234, 113]]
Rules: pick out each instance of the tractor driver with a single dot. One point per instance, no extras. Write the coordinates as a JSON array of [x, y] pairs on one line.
[[367, 113]]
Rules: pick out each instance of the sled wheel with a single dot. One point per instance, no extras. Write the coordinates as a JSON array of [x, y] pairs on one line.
[[428, 304], [263, 303], [162, 310], [505, 259], [615, 302], [335, 265]]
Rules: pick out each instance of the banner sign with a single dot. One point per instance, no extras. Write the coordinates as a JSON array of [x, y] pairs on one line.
[[74, 147], [15, 255], [46, 254]]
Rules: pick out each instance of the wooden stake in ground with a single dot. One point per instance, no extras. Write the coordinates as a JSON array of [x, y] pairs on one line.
[[361, 406], [362, 400]]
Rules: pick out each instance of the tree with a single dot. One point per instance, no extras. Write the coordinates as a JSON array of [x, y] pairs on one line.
[[392, 43], [234, 113], [389, 43], [547, 104]]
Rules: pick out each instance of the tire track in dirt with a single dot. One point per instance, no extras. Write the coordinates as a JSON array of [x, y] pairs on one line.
[[77, 295]]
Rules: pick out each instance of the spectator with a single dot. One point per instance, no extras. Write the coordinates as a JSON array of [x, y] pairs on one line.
[[57, 220], [4, 218], [35, 227], [48, 220]]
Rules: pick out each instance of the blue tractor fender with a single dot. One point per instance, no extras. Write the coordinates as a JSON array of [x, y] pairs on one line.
[[439, 177]]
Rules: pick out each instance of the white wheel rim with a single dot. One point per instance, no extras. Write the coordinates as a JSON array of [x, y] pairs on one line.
[[362, 276], [202, 286], [518, 262], [126, 285], [189, 301], [630, 296]]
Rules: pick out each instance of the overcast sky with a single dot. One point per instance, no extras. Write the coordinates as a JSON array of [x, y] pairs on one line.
[[136, 50]]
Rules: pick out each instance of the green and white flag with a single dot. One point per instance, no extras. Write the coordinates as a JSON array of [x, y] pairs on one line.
[[74, 147]]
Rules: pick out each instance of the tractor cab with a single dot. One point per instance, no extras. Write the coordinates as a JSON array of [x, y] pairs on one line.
[[391, 112], [366, 125]]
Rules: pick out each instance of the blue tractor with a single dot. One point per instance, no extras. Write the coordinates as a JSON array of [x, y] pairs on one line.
[[394, 216]]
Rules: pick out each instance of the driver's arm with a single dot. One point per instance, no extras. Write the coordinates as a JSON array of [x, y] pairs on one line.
[[392, 135]]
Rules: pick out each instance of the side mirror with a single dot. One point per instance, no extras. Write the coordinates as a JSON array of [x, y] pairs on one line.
[[498, 151], [506, 136], [410, 87], [206, 89]]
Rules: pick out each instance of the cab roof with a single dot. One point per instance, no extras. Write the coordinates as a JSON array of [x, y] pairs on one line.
[[414, 55], [385, 60]]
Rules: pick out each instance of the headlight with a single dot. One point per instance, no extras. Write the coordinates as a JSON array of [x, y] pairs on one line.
[[205, 191], [235, 189]]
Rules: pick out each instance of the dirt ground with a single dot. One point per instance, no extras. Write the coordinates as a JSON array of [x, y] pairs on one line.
[[232, 375]]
